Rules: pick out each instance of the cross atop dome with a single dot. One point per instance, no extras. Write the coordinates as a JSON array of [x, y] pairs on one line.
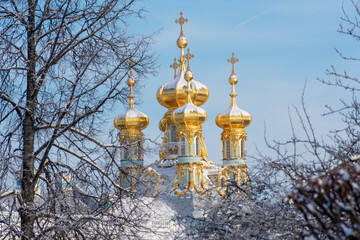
[[181, 21], [181, 41], [174, 66], [189, 56], [233, 60], [131, 62]]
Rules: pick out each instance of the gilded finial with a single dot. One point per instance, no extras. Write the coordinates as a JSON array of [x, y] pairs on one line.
[[131, 62], [188, 75], [233, 78], [189, 56], [181, 21], [181, 41], [233, 60], [131, 82], [174, 66]]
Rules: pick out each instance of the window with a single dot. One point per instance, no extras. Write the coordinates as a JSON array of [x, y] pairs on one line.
[[122, 153], [126, 153], [134, 150], [182, 146], [242, 148], [197, 146], [173, 134], [140, 150], [227, 149]]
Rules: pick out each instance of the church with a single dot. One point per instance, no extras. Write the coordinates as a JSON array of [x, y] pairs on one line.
[[183, 167], [182, 181]]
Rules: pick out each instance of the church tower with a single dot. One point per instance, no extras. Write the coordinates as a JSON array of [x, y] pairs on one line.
[[173, 95], [131, 123], [189, 119], [233, 121]]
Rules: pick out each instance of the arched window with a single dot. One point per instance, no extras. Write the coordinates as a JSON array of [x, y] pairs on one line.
[[173, 134], [243, 150], [182, 146], [197, 146], [227, 148], [134, 149], [140, 150], [122, 150], [126, 152]]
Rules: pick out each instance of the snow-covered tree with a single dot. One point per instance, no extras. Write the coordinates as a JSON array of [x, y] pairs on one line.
[[330, 199], [330, 203], [243, 215], [62, 65]]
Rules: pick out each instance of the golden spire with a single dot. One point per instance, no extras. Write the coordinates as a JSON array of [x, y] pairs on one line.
[[233, 78], [188, 114], [131, 82], [188, 75], [131, 119], [174, 66], [181, 41], [172, 94], [233, 117]]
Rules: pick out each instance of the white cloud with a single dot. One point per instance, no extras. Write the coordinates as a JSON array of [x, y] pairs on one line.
[[251, 19]]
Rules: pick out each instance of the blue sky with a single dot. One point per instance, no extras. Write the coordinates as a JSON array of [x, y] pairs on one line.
[[280, 45]]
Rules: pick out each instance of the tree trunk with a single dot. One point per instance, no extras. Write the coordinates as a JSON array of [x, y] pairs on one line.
[[27, 184]]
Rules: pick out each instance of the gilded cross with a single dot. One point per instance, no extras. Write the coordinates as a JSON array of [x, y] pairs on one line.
[[131, 62], [174, 66], [233, 60], [181, 21], [189, 56]]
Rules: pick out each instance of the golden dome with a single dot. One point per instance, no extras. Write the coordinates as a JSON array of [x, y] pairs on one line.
[[173, 94], [233, 117], [188, 114], [131, 118]]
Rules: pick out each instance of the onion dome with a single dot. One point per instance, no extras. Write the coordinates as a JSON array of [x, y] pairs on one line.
[[173, 93], [233, 117], [188, 114], [131, 118]]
